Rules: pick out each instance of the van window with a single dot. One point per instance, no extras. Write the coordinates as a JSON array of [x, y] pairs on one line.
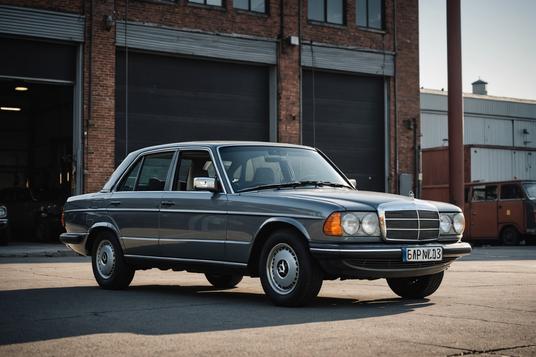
[[511, 192], [484, 193]]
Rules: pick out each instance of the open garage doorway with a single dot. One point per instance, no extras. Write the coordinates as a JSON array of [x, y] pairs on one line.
[[36, 156]]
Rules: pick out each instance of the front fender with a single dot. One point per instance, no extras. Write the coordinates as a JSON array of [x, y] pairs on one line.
[[285, 220]]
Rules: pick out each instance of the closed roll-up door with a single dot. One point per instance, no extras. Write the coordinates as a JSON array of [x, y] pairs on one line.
[[175, 99], [348, 119]]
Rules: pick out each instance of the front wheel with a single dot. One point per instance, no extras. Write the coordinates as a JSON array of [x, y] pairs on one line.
[[289, 274], [109, 266], [417, 287], [510, 236], [223, 281]]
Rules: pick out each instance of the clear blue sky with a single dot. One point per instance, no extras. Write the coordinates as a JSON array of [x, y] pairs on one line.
[[498, 44]]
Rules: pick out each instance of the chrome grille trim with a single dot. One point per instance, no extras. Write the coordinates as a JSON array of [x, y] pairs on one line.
[[400, 212]]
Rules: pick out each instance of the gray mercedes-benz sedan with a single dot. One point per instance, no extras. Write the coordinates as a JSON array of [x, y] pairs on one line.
[[282, 212]]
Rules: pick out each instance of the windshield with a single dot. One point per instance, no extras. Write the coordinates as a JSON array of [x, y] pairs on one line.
[[250, 167], [530, 189]]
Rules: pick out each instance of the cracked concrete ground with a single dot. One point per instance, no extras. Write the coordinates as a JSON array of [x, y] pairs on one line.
[[52, 306]]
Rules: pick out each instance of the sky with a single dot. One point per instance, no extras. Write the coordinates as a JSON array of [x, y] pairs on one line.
[[498, 45]]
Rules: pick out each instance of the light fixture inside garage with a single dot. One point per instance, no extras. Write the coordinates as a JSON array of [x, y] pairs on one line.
[[21, 89], [10, 109]]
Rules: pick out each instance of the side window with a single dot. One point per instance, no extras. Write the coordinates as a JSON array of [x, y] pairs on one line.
[[129, 181], [192, 164], [484, 193], [511, 192], [152, 176]]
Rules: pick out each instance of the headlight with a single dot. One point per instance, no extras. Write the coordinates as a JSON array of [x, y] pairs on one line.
[[445, 223], [350, 223], [370, 224], [355, 224], [459, 223], [3, 212]]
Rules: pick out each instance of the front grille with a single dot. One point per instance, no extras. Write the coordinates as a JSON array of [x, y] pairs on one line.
[[411, 225], [387, 264]]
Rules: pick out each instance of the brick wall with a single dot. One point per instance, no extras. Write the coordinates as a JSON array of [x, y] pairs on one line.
[[99, 106]]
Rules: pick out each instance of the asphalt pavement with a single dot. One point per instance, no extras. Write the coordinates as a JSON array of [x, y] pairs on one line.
[[52, 306]]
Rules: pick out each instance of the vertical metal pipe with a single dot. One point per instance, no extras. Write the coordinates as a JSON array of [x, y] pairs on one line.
[[455, 103]]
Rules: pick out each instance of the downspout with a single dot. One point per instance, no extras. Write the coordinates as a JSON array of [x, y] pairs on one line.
[[300, 74], [278, 64], [395, 44]]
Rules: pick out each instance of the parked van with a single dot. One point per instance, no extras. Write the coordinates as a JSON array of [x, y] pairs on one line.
[[504, 211]]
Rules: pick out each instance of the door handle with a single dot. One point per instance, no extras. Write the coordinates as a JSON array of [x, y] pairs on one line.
[[114, 203], [167, 203]]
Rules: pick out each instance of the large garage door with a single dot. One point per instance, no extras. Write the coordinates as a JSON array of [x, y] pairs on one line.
[[348, 118], [176, 99]]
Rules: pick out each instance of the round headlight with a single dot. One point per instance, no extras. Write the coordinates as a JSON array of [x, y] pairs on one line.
[[445, 223], [350, 223], [370, 224], [3, 212], [459, 223]]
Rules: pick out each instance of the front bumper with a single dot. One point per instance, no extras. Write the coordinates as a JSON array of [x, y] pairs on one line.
[[373, 261]]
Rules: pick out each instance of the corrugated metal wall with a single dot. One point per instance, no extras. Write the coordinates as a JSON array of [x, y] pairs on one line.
[[502, 164], [486, 122]]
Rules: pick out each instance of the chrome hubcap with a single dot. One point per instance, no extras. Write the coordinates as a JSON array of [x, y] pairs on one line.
[[105, 259], [283, 268]]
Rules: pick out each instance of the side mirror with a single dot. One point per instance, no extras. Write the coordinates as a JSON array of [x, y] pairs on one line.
[[353, 182], [206, 184]]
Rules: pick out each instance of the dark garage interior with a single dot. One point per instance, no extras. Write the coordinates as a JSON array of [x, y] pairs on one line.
[[36, 144]]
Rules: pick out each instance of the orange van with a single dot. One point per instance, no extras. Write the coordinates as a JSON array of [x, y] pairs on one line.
[[504, 210]]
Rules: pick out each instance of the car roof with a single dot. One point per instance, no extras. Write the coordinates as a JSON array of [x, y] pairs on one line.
[[221, 143]]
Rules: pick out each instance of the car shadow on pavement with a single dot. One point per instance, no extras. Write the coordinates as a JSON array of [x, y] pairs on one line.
[[52, 313]]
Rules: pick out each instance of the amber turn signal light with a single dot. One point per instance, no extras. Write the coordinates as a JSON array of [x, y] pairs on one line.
[[332, 225]]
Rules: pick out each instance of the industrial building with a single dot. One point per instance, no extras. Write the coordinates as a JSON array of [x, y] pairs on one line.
[[499, 137], [105, 77]]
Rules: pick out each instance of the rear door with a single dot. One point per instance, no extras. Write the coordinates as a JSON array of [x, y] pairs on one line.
[[193, 224], [484, 212], [511, 206], [135, 203]]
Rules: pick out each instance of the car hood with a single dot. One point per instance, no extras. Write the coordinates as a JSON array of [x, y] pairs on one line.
[[352, 199]]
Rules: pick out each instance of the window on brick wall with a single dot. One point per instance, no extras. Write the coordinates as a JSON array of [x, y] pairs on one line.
[[207, 2], [329, 11], [250, 5], [369, 13]]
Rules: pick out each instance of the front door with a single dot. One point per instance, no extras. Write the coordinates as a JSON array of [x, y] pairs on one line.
[[193, 224], [484, 212], [511, 210]]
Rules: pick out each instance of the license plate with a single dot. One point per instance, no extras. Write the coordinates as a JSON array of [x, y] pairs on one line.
[[424, 254]]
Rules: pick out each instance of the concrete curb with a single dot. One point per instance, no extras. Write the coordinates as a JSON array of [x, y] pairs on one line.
[[35, 250]]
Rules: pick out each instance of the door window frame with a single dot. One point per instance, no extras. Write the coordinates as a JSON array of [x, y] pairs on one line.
[[519, 191], [173, 171]]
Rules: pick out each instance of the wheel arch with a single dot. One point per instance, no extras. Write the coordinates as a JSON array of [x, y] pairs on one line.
[[95, 230], [267, 228]]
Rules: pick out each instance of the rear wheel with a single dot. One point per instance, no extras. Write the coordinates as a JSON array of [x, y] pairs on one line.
[[417, 287], [510, 236], [223, 281], [289, 274], [109, 266]]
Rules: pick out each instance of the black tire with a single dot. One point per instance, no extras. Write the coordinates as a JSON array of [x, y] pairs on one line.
[[224, 281], [417, 287], [510, 236], [109, 266], [289, 274]]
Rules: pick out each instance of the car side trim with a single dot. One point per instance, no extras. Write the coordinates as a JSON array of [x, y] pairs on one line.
[[186, 260], [233, 213]]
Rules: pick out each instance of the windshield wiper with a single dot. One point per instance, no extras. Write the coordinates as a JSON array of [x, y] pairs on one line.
[[294, 184]]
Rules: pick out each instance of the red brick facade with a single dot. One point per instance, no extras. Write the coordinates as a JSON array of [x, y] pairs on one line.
[[100, 49]]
